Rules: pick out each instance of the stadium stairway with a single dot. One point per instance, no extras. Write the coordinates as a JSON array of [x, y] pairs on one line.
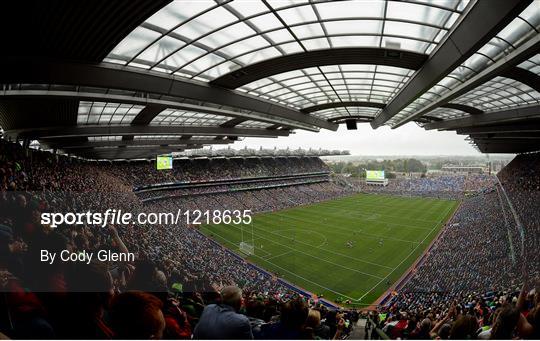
[[358, 332]]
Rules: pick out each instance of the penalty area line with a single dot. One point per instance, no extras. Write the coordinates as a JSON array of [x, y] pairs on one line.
[[404, 259], [289, 271], [307, 280]]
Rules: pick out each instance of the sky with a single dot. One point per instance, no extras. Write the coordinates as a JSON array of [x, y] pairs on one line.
[[409, 139]]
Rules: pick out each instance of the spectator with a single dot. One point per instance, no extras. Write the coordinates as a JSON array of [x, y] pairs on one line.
[[222, 321], [291, 324], [137, 315], [464, 328]]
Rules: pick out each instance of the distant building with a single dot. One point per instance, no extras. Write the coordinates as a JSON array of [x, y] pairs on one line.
[[465, 169]]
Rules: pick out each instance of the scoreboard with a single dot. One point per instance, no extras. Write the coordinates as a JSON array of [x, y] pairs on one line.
[[164, 162]]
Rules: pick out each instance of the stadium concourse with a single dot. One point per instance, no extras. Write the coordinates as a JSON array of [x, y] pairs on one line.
[[93, 91]]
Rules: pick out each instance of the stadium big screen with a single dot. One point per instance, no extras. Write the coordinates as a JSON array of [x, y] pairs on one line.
[[164, 162], [374, 175]]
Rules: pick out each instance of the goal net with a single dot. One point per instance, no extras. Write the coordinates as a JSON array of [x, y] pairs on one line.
[[247, 248]]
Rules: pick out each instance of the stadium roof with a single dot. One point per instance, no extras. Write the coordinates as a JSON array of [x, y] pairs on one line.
[[134, 78]]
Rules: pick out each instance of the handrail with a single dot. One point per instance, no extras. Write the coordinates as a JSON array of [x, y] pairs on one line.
[[168, 196], [382, 335], [519, 226], [507, 224]]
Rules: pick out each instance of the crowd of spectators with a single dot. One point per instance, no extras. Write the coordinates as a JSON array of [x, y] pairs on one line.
[[437, 186], [140, 173], [481, 235], [488, 315], [521, 181], [163, 293], [481, 278], [478, 280], [207, 189]]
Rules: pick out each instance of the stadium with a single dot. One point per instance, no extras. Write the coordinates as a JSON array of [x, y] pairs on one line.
[[127, 211]]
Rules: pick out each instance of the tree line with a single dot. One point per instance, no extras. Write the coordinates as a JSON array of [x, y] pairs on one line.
[[357, 168]]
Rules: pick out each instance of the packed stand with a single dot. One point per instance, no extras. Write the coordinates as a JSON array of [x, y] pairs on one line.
[[178, 273], [438, 186], [521, 182], [481, 278], [141, 173], [195, 190]]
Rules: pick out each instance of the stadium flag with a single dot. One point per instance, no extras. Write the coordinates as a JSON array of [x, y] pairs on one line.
[[178, 287]]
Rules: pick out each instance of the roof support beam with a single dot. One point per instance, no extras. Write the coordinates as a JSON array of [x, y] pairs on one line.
[[520, 135], [487, 118], [126, 153], [527, 127], [144, 142], [233, 122], [77, 131], [526, 77], [149, 112], [507, 141], [334, 56], [507, 148], [143, 148], [342, 104], [152, 106], [465, 108], [481, 23], [358, 118], [109, 76], [331, 105], [515, 57]]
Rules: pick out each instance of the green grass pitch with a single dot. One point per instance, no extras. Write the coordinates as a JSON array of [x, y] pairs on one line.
[[307, 245]]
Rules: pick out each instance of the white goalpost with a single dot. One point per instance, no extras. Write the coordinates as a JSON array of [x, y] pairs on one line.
[[247, 245], [247, 248]]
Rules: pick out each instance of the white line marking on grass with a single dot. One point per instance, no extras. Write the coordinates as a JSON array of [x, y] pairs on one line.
[[287, 252], [310, 231], [310, 281], [374, 236], [368, 215], [291, 250], [321, 248], [404, 259], [362, 206], [281, 254], [294, 274], [320, 259], [234, 244]]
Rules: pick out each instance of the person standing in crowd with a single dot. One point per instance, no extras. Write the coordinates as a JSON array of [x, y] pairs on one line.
[[222, 321]]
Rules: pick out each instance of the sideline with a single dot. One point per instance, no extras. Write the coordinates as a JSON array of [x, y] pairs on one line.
[[407, 274]]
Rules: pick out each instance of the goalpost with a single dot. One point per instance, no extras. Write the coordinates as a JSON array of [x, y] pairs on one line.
[[247, 248], [247, 245]]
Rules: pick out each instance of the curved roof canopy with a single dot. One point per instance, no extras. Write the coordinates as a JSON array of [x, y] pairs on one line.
[[173, 75]]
